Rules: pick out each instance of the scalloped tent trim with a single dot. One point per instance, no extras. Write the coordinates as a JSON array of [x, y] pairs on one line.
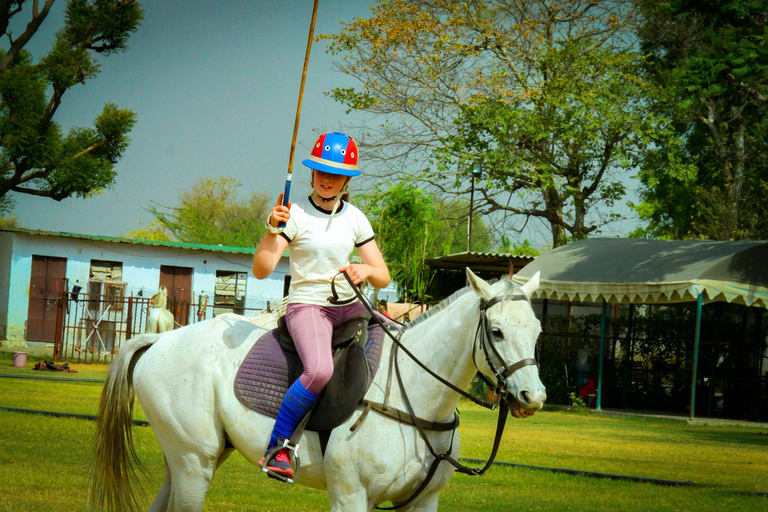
[[653, 272]]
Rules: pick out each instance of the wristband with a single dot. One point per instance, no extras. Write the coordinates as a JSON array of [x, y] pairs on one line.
[[270, 228]]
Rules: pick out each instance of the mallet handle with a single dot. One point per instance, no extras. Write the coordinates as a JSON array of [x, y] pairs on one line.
[[287, 192]]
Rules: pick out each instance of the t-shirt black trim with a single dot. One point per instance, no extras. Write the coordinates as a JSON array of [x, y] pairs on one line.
[[323, 210], [365, 241], [286, 237]]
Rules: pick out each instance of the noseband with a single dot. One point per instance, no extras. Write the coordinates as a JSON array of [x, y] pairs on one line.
[[501, 371]]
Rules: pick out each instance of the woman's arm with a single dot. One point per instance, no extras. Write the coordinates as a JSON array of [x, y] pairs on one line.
[[268, 254], [374, 269], [272, 246]]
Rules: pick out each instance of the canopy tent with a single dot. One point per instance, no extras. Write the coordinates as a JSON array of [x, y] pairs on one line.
[[635, 271]]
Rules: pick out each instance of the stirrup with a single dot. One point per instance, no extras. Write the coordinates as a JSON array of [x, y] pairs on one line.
[[282, 443]]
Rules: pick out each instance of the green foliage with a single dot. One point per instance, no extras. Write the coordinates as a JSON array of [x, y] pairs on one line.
[[579, 404], [36, 156], [210, 213], [563, 149], [9, 222], [711, 62], [524, 249], [153, 231], [546, 95], [411, 225], [402, 216]]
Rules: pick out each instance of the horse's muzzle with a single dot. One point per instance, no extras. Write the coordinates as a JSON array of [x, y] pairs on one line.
[[526, 403]]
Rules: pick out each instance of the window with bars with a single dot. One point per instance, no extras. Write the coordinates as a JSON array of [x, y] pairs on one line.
[[106, 288], [229, 295]]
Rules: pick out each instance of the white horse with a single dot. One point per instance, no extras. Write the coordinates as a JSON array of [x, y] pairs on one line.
[[184, 382], [160, 319]]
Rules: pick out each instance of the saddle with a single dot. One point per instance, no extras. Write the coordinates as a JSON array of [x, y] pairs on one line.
[[273, 364]]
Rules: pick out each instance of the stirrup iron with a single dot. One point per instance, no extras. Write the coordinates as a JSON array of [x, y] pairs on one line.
[[283, 443]]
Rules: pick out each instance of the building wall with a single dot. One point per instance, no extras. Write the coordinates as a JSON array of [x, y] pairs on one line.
[[6, 252], [141, 270]]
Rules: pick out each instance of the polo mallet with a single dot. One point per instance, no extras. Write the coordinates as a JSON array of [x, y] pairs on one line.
[[287, 192]]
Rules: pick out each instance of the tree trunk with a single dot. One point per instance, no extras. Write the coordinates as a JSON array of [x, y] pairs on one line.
[[737, 178]]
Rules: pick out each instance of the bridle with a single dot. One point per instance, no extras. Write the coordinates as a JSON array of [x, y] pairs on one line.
[[501, 371]]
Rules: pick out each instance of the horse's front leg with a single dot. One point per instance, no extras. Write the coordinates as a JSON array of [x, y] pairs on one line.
[[346, 490], [352, 502], [426, 502]]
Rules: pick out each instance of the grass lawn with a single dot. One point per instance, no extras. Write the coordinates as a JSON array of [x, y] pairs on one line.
[[44, 460]]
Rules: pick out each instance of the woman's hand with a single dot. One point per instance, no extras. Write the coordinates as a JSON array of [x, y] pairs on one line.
[[279, 213], [373, 267], [358, 272]]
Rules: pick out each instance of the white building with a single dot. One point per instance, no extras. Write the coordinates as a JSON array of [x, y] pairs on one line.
[[37, 265]]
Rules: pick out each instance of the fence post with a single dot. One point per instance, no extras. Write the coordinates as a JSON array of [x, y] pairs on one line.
[[696, 335], [129, 319], [59, 325], [602, 353]]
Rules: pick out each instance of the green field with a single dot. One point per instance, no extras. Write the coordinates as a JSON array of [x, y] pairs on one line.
[[44, 460]]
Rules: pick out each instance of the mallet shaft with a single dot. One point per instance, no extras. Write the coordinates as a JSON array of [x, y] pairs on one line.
[[287, 192]]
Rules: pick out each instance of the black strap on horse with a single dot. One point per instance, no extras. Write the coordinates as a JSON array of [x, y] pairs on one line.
[[483, 330]]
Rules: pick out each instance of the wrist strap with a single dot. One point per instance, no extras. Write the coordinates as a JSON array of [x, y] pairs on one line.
[[270, 228]]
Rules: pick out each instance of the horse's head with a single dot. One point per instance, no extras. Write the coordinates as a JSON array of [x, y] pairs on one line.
[[160, 299], [506, 343]]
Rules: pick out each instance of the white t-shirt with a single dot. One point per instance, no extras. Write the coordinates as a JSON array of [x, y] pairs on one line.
[[319, 246]]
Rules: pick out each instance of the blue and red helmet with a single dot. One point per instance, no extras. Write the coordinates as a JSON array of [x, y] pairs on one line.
[[334, 153]]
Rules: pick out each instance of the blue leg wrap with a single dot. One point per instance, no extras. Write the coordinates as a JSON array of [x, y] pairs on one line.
[[296, 403]]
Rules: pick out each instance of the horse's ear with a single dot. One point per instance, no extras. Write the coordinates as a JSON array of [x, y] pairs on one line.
[[532, 285], [480, 287]]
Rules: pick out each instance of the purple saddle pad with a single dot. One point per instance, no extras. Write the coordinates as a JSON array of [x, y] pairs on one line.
[[268, 371]]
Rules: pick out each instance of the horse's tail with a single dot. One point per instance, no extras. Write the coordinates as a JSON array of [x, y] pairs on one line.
[[114, 480]]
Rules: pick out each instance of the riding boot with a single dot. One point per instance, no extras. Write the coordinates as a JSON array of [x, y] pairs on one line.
[[296, 404]]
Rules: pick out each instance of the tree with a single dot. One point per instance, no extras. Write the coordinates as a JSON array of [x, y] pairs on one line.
[[412, 225], [9, 222], [545, 93], [36, 157], [711, 60], [524, 249], [155, 231], [210, 213]]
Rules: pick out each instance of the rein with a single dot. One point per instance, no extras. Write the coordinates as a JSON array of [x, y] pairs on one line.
[[484, 333]]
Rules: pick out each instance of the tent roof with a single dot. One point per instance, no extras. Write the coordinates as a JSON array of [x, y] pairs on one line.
[[653, 271]]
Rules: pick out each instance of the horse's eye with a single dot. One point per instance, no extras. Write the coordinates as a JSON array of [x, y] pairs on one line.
[[497, 333]]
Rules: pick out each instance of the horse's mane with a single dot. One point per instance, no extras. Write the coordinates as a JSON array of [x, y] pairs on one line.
[[509, 290]]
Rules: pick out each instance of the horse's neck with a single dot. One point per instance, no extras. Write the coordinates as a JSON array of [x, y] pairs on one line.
[[161, 300], [443, 343]]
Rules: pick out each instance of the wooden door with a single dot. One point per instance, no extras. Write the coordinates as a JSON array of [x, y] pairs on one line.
[[47, 280], [178, 281]]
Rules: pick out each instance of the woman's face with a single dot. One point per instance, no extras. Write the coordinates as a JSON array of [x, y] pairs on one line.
[[328, 185]]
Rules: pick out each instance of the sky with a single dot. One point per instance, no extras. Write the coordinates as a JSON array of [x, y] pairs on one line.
[[215, 86]]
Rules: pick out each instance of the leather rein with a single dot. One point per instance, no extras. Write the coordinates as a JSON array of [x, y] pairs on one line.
[[500, 369]]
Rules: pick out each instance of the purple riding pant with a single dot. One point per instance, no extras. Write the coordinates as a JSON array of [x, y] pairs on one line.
[[311, 328]]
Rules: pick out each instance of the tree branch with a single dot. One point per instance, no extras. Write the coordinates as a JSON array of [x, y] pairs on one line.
[[23, 39], [7, 19], [41, 193]]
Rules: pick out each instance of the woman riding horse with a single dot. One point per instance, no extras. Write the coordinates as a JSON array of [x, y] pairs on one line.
[[320, 234]]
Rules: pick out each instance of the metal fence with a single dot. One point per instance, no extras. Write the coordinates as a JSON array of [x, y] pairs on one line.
[[91, 328]]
